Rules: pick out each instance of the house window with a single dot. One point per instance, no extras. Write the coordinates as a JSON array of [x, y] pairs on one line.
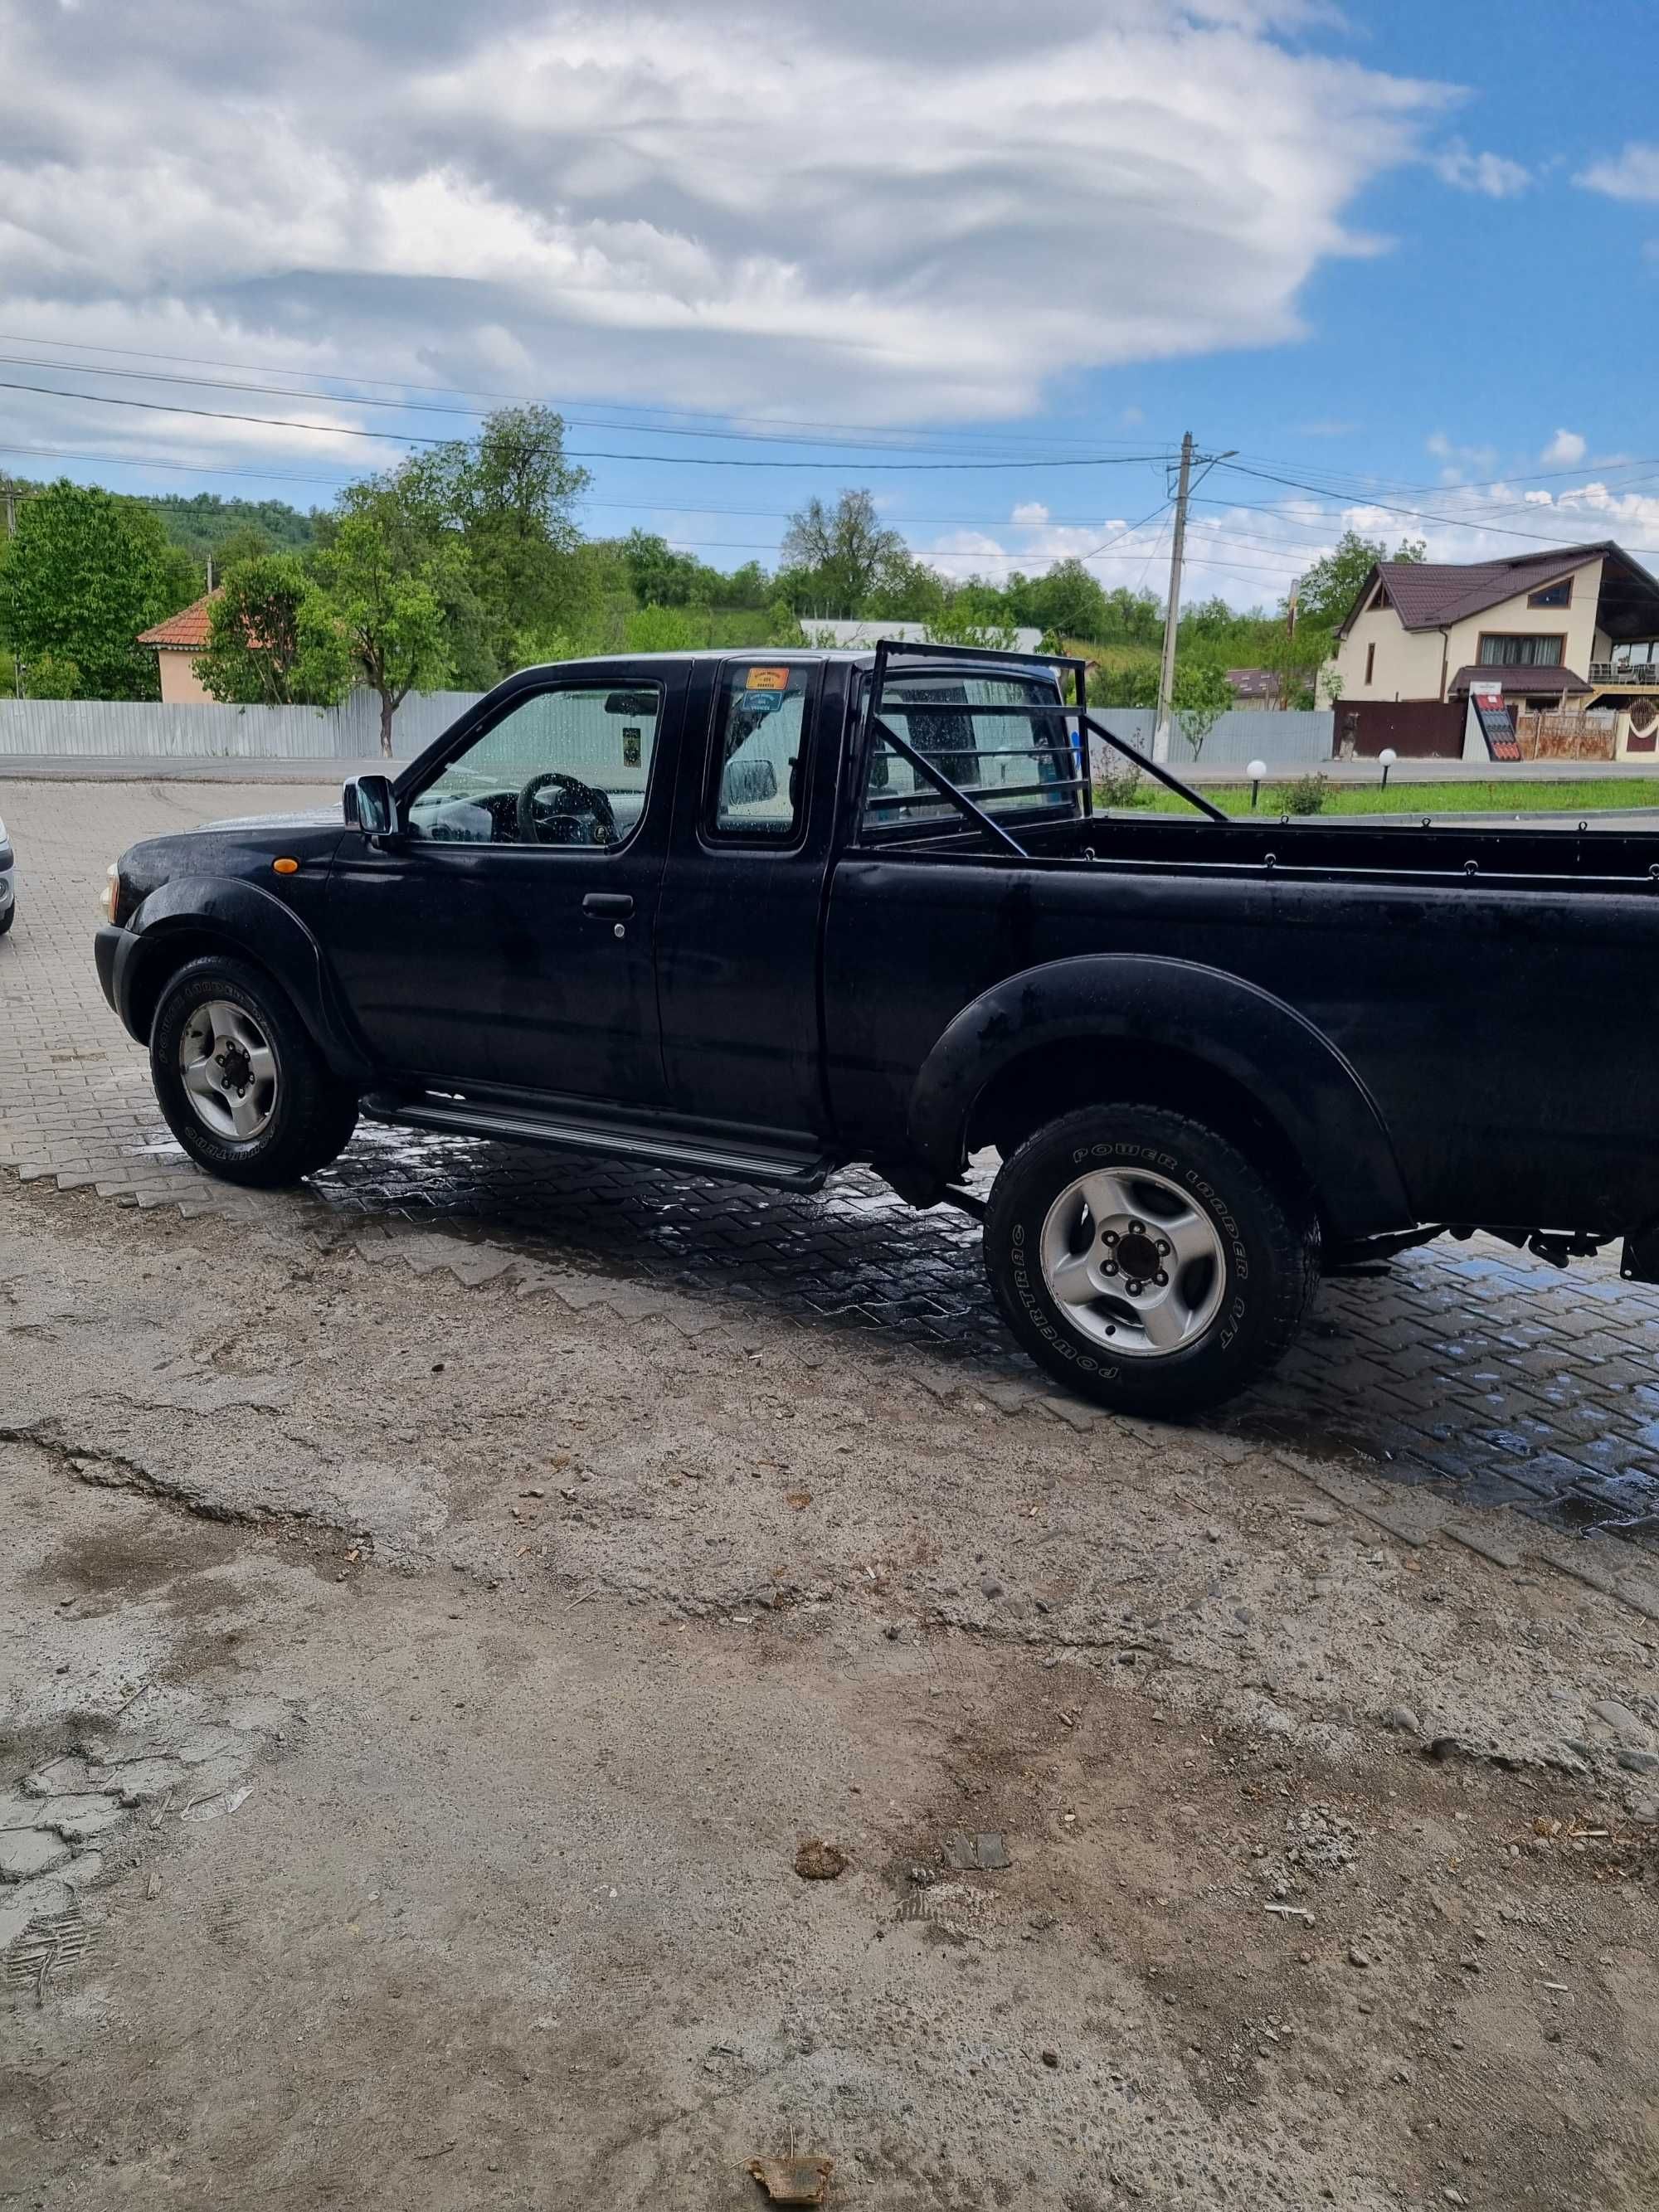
[[1501, 651], [1370, 662], [1553, 595]]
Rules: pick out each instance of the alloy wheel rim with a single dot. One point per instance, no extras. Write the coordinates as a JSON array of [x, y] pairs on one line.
[[1135, 1265], [229, 1071]]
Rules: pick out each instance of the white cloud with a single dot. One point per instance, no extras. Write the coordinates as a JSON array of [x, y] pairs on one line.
[[1632, 174], [1248, 556], [1459, 459], [1030, 513], [668, 205], [1565, 450], [1494, 175]]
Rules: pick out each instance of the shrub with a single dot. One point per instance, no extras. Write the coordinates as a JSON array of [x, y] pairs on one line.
[[1307, 795], [1120, 784]]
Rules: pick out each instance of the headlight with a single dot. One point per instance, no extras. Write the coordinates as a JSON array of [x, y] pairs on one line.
[[111, 899]]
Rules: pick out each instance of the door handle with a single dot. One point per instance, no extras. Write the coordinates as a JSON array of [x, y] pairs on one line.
[[608, 906]]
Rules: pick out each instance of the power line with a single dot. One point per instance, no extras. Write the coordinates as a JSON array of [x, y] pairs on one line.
[[1340, 481], [519, 399], [660, 460], [1415, 513], [876, 441]]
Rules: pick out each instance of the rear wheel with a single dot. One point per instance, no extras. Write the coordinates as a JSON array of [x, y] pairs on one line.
[[244, 1088], [1145, 1260]]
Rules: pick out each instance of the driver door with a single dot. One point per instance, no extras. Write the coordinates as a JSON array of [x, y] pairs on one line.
[[506, 939]]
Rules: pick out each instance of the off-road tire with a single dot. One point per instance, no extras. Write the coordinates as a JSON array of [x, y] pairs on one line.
[[8, 918], [1268, 1237], [312, 1116]]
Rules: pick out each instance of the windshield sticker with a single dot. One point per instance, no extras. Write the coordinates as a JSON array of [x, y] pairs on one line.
[[768, 679]]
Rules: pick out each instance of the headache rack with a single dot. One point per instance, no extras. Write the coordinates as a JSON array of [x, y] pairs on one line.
[[965, 797]]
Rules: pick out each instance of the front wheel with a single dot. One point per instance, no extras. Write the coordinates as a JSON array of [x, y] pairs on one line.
[[244, 1088], [1145, 1260]]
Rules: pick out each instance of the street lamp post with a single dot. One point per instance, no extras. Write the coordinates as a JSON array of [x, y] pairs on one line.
[[1388, 756], [1255, 771]]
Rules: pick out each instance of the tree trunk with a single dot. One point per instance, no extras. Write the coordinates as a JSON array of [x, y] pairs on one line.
[[386, 711]]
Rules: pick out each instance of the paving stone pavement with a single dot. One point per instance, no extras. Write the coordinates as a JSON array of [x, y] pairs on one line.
[[1478, 1374]]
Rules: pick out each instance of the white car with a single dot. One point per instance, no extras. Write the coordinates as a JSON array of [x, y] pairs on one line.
[[8, 882]]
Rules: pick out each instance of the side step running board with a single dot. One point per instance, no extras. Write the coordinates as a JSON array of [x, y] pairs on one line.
[[698, 1153]]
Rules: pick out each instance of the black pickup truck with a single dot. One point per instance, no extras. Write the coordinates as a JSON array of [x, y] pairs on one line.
[[762, 916]]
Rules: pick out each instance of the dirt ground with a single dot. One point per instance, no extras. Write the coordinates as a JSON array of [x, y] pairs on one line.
[[429, 1689]]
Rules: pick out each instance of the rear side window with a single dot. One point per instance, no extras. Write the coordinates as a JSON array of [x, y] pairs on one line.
[[1006, 763], [760, 731]]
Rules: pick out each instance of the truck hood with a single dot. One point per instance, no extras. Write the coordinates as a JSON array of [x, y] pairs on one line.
[[313, 817], [243, 846]]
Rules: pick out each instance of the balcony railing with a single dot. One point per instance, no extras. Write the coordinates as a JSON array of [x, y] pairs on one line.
[[1628, 675]]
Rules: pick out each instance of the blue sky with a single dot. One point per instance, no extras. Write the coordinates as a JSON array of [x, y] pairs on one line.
[[990, 262]]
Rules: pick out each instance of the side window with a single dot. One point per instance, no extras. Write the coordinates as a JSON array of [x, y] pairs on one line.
[[1008, 763], [757, 783], [564, 767]]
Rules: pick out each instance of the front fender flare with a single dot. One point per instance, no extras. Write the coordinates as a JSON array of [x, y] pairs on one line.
[[1297, 1076], [247, 919]]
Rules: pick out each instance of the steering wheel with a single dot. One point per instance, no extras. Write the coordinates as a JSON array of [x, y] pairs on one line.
[[575, 799]]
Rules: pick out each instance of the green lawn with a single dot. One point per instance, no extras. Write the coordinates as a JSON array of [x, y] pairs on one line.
[[1581, 795]]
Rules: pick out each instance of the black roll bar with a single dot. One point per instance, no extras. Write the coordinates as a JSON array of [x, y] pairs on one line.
[[990, 657]]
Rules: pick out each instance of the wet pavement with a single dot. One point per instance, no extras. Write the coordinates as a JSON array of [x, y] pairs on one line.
[[1477, 1370]]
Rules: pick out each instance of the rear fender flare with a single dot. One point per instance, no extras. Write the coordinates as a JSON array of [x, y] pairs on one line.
[[225, 913], [1296, 1076]]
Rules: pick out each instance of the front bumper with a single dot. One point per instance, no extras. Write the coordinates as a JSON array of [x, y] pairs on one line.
[[112, 949]]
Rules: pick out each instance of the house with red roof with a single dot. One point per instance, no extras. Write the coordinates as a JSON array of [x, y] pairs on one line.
[[177, 641], [1569, 628]]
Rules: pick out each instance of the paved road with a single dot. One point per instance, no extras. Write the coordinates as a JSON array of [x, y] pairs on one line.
[[1469, 1367]]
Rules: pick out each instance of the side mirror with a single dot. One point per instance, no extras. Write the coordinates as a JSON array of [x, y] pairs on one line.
[[748, 783], [370, 805]]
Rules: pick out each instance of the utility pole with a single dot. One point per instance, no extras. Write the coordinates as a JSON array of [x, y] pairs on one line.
[[1172, 612]]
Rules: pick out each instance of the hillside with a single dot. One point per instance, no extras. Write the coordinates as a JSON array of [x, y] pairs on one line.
[[203, 524]]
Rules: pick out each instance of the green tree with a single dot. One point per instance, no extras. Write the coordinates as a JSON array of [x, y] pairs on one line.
[[386, 583], [1132, 618], [245, 541], [55, 676], [1297, 658], [1065, 601], [1124, 676], [782, 626], [658, 575], [1199, 699], [508, 494], [273, 641], [85, 572], [204, 523], [661, 629], [1327, 590], [909, 591], [845, 555]]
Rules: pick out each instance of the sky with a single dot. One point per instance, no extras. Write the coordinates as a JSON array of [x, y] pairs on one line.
[[1401, 268]]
